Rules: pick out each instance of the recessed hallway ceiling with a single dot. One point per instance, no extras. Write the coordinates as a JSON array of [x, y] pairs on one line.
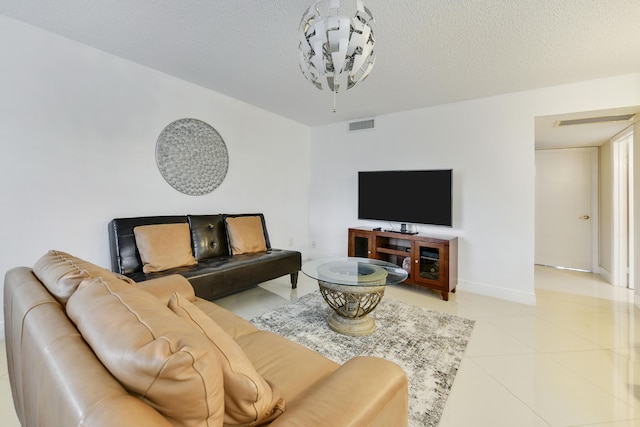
[[428, 52], [551, 136]]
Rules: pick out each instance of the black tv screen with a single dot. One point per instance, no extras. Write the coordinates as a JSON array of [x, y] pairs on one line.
[[418, 196]]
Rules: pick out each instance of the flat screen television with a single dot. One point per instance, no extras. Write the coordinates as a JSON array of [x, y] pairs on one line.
[[413, 196]]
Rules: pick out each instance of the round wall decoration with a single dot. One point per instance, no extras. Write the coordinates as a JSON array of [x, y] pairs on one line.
[[192, 156]]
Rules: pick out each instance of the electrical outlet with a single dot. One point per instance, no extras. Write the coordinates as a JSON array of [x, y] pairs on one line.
[[313, 244]]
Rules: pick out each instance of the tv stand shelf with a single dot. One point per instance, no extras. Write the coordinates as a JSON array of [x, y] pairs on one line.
[[395, 250], [430, 260]]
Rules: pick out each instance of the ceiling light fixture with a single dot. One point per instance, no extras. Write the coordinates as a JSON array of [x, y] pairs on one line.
[[336, 44]]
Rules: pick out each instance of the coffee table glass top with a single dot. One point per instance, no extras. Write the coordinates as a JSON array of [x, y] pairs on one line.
[[354, 271]]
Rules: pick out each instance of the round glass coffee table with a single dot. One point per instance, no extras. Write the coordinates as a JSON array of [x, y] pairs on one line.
[[353, 288]]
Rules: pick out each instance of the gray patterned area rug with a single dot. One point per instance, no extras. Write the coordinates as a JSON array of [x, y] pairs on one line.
[[428, 345]]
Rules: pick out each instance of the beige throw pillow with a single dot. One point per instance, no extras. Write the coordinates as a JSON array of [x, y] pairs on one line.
[[164, 246], [246, 234], [151, 351], [248, 399]]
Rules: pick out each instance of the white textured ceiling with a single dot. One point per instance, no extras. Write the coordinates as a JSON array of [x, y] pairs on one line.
[[429, 52]]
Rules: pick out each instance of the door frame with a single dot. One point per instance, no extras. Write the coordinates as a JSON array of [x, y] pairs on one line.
[[623, 225], [595, 210]]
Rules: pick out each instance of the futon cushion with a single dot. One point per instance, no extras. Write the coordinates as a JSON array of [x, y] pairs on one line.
[[249, 400], [164, 246], [246, 234], [61, 273], [208, 236], [155, 354]]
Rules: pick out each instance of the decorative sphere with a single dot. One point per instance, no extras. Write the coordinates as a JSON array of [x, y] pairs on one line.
[[336, 44]]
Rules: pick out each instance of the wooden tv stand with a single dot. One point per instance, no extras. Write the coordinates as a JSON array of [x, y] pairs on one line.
[[431, 261]]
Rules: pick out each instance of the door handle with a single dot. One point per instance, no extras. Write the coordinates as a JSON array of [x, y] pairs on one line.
[[585, 217]]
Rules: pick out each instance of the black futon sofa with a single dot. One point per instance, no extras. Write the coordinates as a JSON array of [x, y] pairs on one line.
[[218, 272]]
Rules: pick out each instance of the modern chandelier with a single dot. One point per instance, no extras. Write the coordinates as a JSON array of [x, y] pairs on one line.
[[336, 44]]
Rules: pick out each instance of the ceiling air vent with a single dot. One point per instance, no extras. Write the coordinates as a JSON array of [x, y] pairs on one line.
[[602, 119], [361, 125]]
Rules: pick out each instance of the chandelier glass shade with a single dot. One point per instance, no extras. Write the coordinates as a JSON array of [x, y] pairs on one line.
[[336, 44]]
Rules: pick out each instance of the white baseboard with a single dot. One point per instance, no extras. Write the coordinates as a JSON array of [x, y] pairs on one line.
[[528, 298], [606, 275]]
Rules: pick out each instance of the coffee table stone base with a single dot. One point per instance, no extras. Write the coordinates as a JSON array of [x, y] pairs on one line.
[[355, 327], [351, 307]]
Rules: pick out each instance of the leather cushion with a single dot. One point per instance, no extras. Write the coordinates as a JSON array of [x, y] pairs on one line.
[[151, 351], [248, 399], [234, 325], [286, 364], [164, 246], [125, 257], [165, 286], [208, 236], [62, 273], [246, 234]]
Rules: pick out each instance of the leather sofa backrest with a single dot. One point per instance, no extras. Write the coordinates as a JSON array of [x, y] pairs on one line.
[[125, 258], [206, 241], [208, 236], [56, 379]]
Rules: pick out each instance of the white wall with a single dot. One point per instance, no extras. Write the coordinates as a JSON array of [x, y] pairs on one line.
[[78, 129], [489, 143]]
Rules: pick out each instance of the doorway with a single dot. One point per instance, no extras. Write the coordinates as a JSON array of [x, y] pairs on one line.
[[566, 215], [611, 133]]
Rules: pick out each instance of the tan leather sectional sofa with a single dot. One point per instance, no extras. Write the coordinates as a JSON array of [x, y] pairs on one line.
[[86, 347]]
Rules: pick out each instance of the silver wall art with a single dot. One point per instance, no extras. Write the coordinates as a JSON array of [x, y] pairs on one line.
[[192, 156]]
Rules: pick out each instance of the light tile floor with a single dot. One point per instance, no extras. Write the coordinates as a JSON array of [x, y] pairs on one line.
[[572, 360]]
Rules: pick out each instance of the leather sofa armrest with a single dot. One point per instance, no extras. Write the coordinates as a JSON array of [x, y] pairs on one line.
[[165, 286], [124, 411], [365, 391]]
